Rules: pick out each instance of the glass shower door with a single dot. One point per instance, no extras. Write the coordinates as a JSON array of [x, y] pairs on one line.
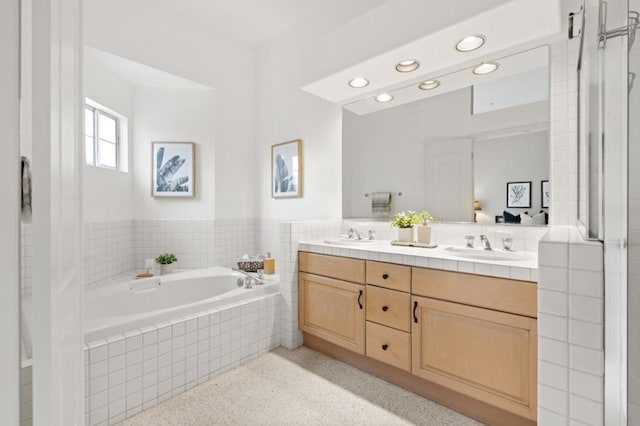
[[633, 247]]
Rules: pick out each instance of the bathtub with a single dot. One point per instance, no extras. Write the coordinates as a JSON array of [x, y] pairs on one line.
[[150, 339], [134, 304]]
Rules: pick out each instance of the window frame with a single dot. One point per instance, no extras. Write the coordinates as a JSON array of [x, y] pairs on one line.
[[97, 111]]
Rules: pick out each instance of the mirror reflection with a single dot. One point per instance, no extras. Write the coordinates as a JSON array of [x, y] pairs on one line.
[[475, 148]]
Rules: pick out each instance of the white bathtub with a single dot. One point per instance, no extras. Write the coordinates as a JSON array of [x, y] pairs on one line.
[[148, 340], [135, 304]]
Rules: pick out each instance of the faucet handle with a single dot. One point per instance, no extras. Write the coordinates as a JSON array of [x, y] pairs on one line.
[[372, 234], [470, 239], [350, 233]]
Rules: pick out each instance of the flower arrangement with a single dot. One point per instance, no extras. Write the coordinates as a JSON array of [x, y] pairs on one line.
[[410, 218], [166, 259]]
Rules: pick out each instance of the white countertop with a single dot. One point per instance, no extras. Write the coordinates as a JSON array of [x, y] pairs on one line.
[[435, 258]]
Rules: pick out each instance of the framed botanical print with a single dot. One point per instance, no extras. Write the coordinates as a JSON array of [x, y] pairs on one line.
[[172, 170], [286, 169], [519, 194], [545, 194]]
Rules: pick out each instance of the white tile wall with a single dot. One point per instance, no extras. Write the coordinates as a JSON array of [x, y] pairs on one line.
[[26, 258], [26, 396], [131, 372], [563, 133], [570, 329], [107, 250]]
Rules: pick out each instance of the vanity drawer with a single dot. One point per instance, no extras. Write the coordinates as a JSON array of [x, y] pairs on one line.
[[341, 268], [389, 307], [388, 345], [500, 294], [395, 277]]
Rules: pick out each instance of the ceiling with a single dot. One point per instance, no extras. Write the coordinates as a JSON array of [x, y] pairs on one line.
[[254, 22], [514, 24], [137, 74]]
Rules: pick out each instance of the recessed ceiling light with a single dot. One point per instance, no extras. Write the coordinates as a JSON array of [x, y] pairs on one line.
[[384, 97], [485, 68], [407, 66], [358, 82], [470, 43], [429, 84]]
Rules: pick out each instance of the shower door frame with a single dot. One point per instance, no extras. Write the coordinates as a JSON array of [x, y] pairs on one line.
[[9, 213]]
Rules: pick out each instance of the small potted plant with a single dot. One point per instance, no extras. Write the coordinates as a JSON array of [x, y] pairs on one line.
[[423, 230], [166, 262], [404, 222]]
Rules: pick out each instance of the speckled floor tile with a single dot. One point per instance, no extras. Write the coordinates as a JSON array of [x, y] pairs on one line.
[[299, 387]]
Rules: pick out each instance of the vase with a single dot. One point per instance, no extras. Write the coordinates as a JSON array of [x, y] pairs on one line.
[[166, 269], [424, 234], [405, 235]]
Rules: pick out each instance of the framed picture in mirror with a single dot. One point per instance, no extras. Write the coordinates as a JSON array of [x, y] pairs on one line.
[[545, 194], [286, 169], [519, 194]]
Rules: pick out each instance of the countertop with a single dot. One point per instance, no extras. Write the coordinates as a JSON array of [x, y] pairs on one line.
[[435, 258]]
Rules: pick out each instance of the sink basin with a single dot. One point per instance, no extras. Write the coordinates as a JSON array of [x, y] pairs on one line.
[[481, 254], [344, 241]]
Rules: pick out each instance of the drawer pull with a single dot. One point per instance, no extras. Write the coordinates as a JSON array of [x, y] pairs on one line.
[[385, 308], [415, 306], [384, 347], [385, 276], [359, 297]]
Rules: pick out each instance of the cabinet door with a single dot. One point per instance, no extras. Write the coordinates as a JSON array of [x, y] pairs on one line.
[[485, 354], [333, 310]]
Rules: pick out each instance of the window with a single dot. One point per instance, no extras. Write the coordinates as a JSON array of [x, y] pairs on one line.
[[101, 137]]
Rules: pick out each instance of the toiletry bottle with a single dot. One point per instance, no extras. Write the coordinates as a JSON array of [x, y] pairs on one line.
[[269, 264]]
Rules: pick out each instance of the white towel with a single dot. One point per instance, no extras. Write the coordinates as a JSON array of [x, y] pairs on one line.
[[25, 207], [381, 204]]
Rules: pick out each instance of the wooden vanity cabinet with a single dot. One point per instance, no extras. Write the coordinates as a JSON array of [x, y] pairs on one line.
[[488, 355], [329, 308], [467, 341]]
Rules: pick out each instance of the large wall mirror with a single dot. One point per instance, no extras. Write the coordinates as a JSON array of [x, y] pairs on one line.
[[473, 140]]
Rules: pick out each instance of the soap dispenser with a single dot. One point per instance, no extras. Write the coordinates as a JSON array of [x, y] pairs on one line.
[[269, 264]]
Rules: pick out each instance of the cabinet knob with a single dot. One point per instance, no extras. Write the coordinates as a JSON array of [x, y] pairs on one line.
[[385, 276], [385, 308], [384, 347]]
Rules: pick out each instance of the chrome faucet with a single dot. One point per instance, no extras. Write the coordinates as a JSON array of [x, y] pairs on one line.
[[485, 242], [248, 278], [372, 234], [353, 231]]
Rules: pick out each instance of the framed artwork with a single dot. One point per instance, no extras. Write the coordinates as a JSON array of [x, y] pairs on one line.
[[286, 169], [172, 169], [518, 194], [545, 193]]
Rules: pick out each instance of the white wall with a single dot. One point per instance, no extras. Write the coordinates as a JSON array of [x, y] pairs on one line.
[[107, 194], [526, 159], [178, 115], [188, 48], [286, 113], [384, 151]]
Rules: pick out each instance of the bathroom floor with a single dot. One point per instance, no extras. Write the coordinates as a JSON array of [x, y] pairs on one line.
[[299, 387]]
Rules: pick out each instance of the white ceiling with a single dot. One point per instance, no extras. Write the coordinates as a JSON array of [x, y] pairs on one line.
[[513, 24], [255, 22], [137, 74]]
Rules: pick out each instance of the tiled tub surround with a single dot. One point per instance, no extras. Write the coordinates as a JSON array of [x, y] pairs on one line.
[[132, 371], [113, 248]]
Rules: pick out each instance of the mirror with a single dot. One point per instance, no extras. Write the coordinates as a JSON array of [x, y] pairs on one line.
[[481, 138]]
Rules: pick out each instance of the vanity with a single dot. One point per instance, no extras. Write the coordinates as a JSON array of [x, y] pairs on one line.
[[465, 340]]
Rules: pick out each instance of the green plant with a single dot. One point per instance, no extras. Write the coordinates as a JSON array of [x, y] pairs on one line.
[[410, 218], [423, 218], [166, 259]]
